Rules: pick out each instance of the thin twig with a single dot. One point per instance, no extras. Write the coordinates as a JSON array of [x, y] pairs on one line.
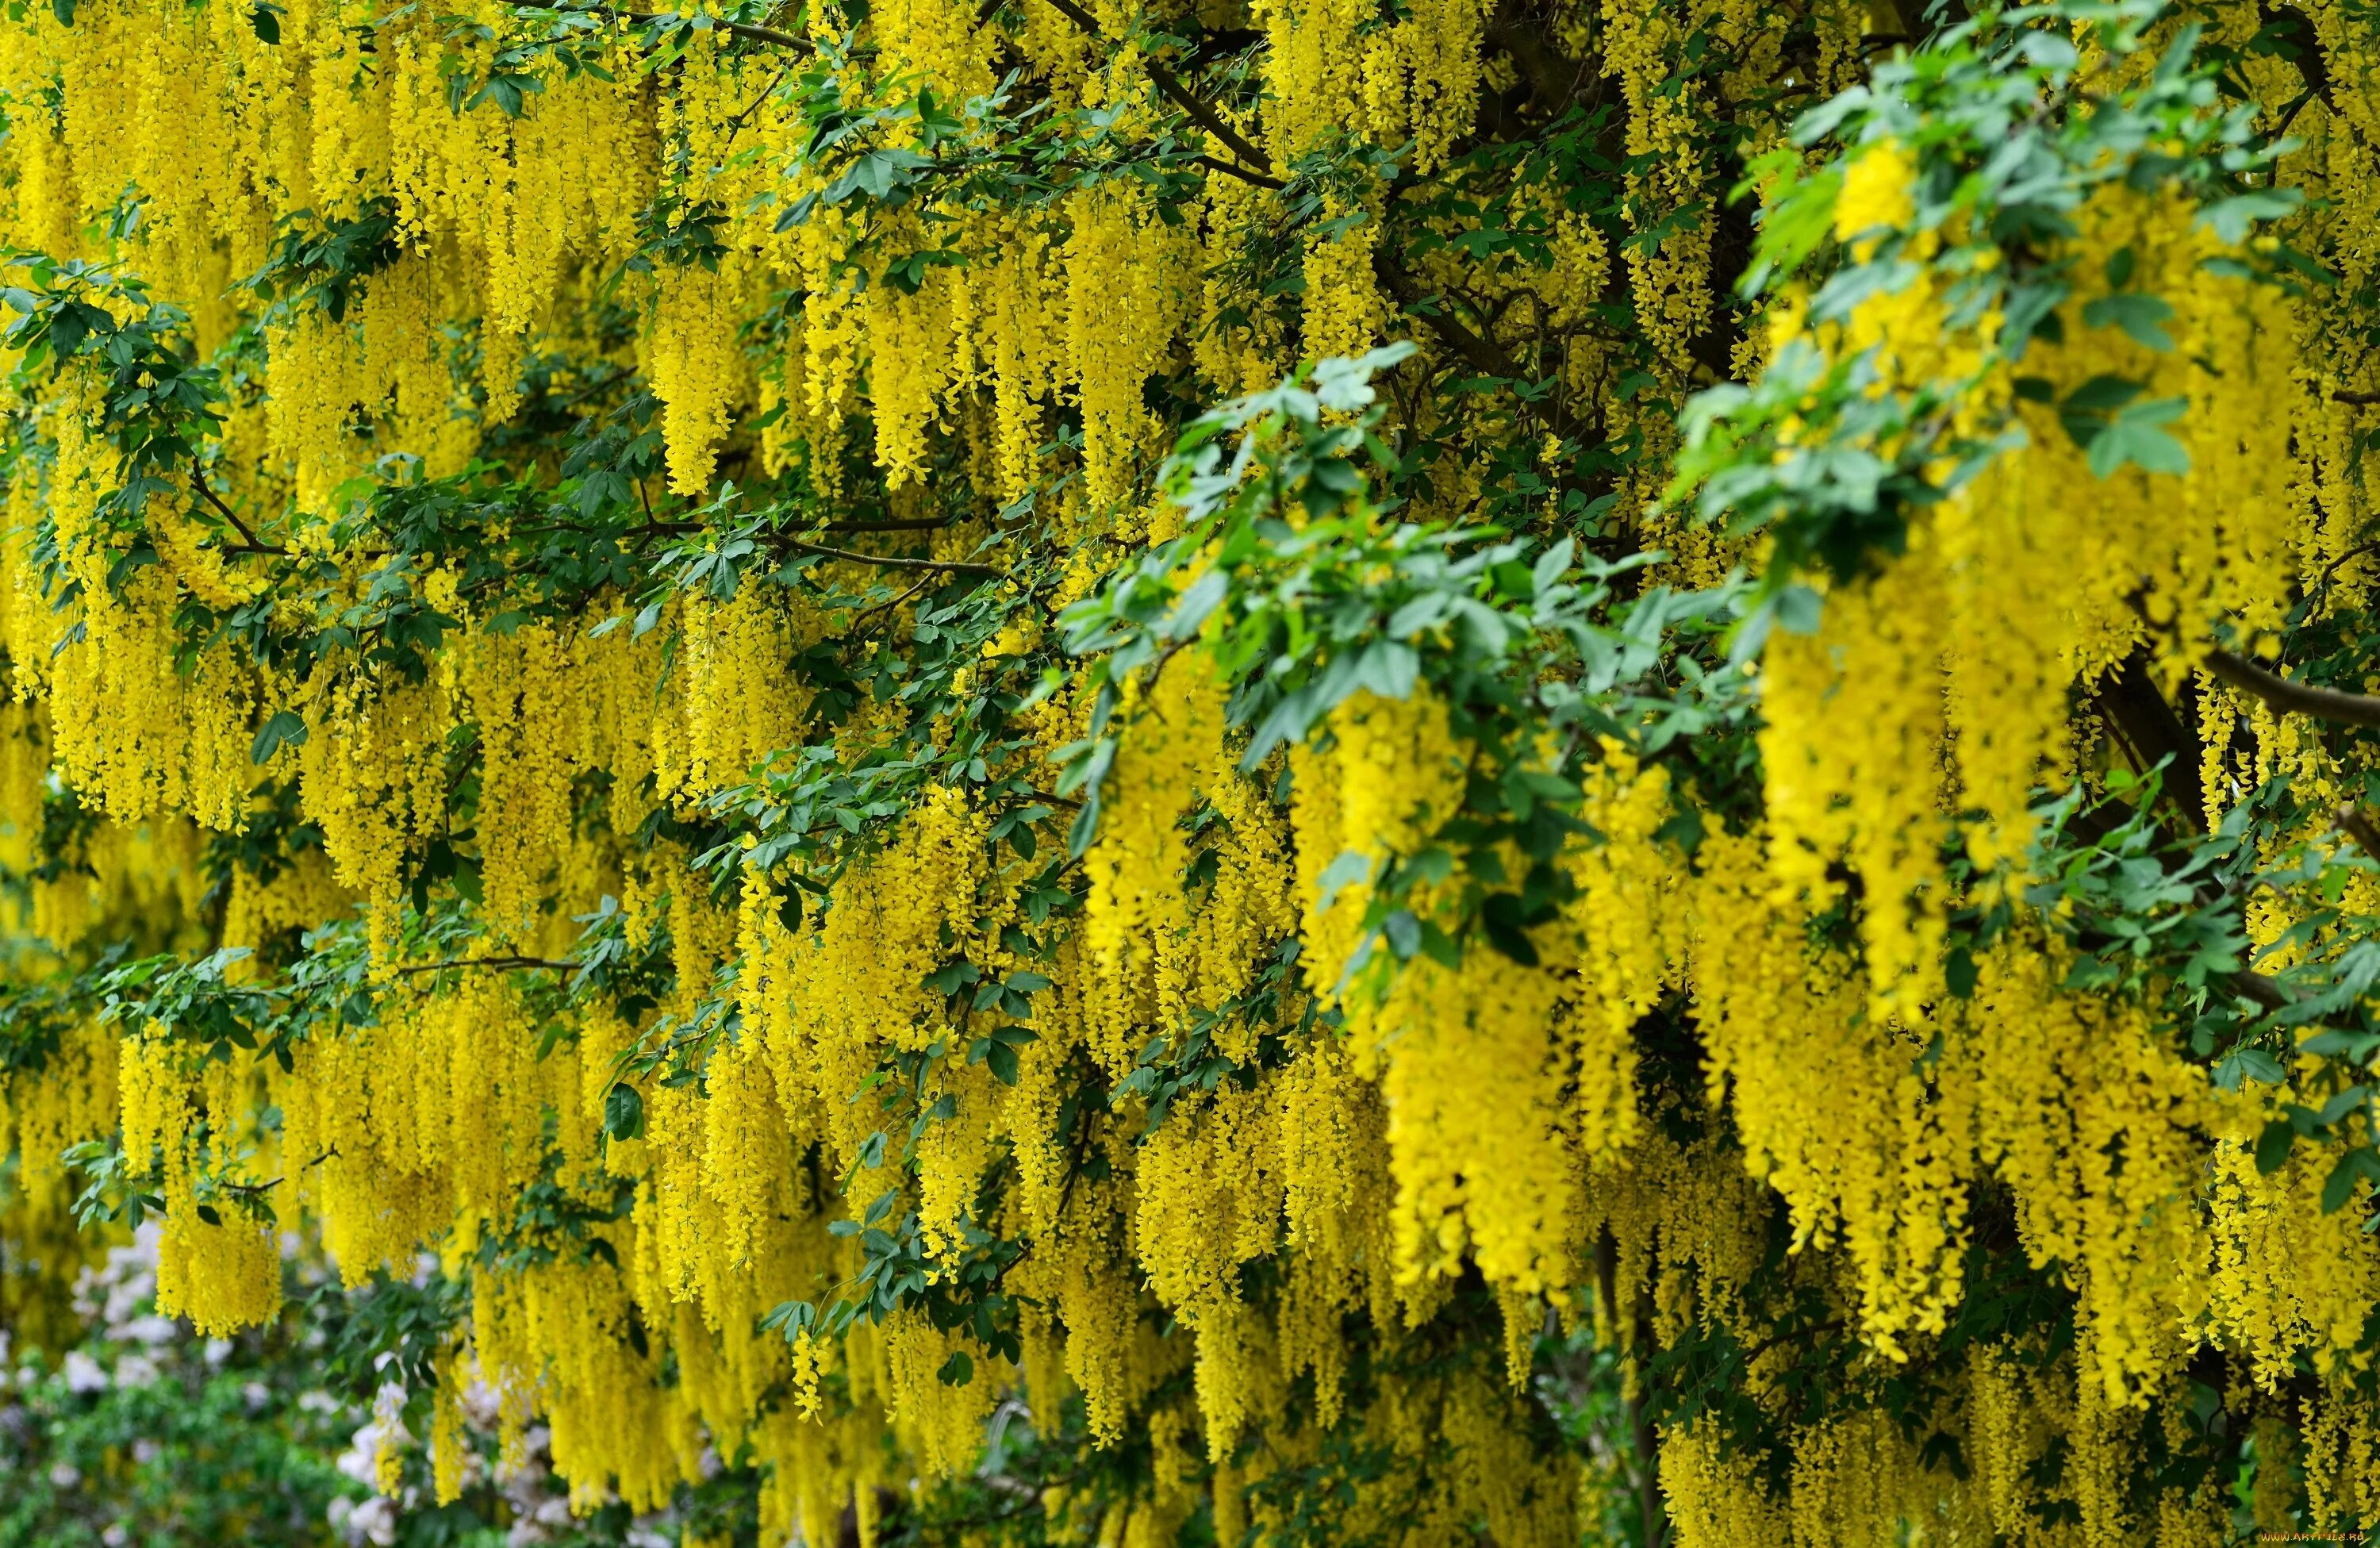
[[1811, 1331], [508, 962], [1201, 112], [1029, 796], [908, 524], [860, 625], [250, 543], [1217, 163], [740, 28], [736, 123], [951, 566], [688, 528], [1482, 353], [2355, 553]]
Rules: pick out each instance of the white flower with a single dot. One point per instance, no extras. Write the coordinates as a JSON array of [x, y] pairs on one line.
[[360, 1460], [83, 1374], [64, 1475], [482, 1405], [374, 1520], [151, 1329]]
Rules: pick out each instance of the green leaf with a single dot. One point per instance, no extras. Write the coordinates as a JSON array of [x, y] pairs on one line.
[[624, 1112], [2361, 1163], [2253, 1064], [1959, 973], [2132, 436], [2230, 218], [2139, 315], [285, 728], [2273, 1146]]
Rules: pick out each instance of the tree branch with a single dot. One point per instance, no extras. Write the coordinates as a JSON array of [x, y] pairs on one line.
[[860, 625], [1481, 353], [2151, 730], [1217, 163], [249, 544], [1201, 112], [507, 962], [1831, 1324], [2284, 693], [1642, 1446], [740, 28], [909, 524], [2357, 824], [2311, 66], [985, 572], [1554, 78], [688, 528]]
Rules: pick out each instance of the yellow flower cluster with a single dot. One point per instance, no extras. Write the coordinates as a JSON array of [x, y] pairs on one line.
[[1376, 1138]]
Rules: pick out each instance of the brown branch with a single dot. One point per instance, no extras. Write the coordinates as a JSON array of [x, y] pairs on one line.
[[2349, 394], [1482, 353], [741, 29], [1217, 163], [860, 625], [250, 543], [1642, 1447], [2352, 820], [507, 962], [735, 125], [1830, 1325], [909, 524], [985, 572], [2151, 730], [2312, 68], [2265, 991], [2333, 567], [1200, 111], [689, 529], [1554, 78], [2285, 693]]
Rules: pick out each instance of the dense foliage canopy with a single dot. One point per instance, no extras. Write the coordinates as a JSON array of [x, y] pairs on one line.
[[1257, 772]]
